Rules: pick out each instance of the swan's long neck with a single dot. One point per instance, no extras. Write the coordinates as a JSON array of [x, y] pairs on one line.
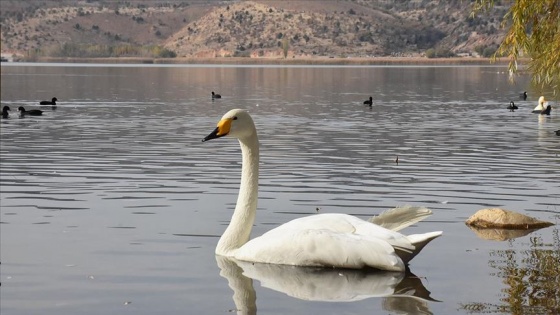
[[239, 230]]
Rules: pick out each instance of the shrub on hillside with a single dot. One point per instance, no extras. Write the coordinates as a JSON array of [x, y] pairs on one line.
[[430, 53], [489, 51], [439, 53]]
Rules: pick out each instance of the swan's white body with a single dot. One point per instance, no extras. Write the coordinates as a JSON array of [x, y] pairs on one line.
[[541, 105], [329, 240]]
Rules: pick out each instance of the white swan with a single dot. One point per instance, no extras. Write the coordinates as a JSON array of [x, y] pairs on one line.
[[326, 240], [540, 106]]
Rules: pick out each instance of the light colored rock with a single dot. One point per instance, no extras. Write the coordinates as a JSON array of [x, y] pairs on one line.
[[493, 218]]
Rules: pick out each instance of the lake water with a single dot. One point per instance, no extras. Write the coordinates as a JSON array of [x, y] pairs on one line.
[[111, 204]]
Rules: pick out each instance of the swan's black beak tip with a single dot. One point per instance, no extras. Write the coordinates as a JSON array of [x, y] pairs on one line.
[[212, 135]]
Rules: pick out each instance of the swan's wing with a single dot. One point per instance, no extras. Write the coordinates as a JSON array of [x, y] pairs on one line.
[[294, 245], [401, 217], [344, 224], [321, 248]]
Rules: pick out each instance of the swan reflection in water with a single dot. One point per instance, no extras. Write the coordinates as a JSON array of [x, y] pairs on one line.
[[403, 292]]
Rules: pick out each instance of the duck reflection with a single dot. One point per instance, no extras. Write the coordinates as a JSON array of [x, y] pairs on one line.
[[403, 292]]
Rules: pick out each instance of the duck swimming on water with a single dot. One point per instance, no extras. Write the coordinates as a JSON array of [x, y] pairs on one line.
[[5, 111], [547, 110], [369, 102], [214, 95], [523, 96], [512, 107], [51, 102], [32, 112]]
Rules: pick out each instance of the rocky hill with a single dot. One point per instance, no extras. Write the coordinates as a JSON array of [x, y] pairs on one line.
[[266, 28]]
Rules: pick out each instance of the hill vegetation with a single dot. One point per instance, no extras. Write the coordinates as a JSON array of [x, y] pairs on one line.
[[266, 28]]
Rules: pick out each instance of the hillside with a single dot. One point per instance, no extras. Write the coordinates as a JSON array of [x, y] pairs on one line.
[[266, 28]]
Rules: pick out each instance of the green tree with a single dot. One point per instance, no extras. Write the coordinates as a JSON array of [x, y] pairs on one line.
[[533, 31]]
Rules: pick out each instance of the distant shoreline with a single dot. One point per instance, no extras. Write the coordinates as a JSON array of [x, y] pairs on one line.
[[282, 61]]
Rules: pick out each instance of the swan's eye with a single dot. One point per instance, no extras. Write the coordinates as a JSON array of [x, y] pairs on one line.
[[234, 117]]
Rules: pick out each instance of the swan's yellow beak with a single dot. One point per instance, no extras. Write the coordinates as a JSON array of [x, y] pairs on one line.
[[223, 129]]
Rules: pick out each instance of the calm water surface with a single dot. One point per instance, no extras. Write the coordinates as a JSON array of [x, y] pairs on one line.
[[111, 204]]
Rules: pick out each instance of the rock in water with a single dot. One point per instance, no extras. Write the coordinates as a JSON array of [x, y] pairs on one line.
[[493, 218]]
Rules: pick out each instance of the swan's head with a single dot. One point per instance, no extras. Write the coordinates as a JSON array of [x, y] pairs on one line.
[[542, 100], [236, 123]]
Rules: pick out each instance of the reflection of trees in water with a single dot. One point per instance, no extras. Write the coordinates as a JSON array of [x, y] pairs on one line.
[[532, 277]]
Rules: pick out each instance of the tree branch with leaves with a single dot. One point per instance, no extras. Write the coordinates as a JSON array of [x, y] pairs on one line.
[[533, 32]]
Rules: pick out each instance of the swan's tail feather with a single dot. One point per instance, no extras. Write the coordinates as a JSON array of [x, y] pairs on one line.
[[400, 217], [419, 241]]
